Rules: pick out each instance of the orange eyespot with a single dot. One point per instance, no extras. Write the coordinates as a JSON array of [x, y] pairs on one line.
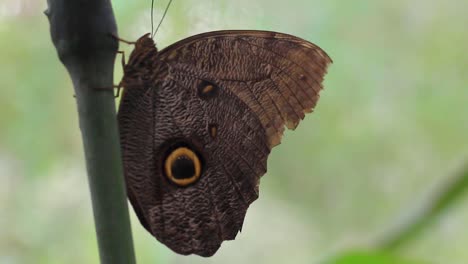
[[213, 130], [182, 166], [206, 89]]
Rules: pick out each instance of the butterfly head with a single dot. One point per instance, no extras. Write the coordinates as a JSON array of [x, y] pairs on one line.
[[139, 67], [145, 42]]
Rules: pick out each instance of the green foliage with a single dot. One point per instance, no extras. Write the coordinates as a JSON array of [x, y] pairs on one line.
[[360, 257]]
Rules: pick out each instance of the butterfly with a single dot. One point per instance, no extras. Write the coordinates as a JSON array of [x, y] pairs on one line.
[[198, 120]]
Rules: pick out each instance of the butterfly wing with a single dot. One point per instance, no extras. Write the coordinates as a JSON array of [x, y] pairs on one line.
[[278, 76], [227, 95]]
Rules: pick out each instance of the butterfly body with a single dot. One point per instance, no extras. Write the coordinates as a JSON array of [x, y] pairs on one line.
[[198, 120]]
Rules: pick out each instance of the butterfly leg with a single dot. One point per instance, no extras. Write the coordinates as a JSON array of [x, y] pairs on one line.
[[123, 58], [118, 87], [122, 40], [117, 94]]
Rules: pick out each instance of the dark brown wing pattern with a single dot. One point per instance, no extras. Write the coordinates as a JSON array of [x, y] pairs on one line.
[[278, 76], [226, 95]]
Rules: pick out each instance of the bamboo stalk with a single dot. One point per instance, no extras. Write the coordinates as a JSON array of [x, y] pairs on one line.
[[80, 31]]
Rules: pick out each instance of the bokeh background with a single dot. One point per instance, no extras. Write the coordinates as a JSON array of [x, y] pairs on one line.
[[391, 124]]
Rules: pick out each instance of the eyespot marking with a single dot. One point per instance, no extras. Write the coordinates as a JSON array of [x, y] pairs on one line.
[[213, 130], [182, 166], [207, 89]]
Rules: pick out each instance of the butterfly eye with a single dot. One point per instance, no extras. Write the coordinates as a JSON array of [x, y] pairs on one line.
[[182, 166]]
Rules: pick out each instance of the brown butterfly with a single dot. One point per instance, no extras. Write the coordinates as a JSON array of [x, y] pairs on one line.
[[198, 120]]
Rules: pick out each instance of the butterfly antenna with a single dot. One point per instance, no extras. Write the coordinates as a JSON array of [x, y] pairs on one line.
[[152, 24], [164, 15]]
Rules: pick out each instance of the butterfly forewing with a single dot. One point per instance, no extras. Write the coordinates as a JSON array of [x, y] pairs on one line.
[[278, 76]]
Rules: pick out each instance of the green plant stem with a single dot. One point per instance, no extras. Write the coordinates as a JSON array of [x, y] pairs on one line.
[[80, 31], [424, 214]]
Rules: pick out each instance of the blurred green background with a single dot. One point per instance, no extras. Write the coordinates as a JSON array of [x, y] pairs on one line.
[[391, 124]]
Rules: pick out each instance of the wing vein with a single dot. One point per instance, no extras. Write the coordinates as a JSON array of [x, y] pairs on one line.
[[286, 58]]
